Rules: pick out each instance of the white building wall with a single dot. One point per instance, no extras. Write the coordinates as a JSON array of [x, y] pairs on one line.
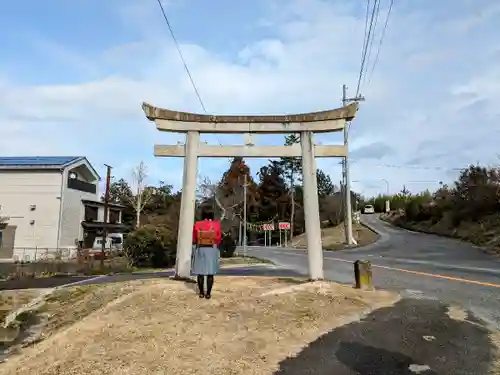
[[21, 189], [73, 212]]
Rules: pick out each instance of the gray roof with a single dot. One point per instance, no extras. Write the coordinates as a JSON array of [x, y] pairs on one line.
[[40, 162]]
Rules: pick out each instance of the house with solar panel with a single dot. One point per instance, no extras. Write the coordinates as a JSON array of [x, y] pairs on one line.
[[50, 204]]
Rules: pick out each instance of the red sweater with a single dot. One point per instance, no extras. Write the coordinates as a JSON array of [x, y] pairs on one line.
[[205, 226]]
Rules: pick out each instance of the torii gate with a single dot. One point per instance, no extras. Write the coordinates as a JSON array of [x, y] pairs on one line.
[[306, 124]]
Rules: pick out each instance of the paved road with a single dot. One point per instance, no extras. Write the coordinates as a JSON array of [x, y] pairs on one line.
[[412, 337], [415, 264]]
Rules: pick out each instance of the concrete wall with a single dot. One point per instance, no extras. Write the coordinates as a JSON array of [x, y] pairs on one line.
[[21, 189]]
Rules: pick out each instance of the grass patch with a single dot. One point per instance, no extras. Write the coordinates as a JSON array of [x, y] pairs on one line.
[[333, 238], [69, 305], [11, 300], [244, 260], [161, 326], [292, 280]]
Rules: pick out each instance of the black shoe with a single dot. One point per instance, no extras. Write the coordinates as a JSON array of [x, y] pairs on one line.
[[208, 296], [201, 295]]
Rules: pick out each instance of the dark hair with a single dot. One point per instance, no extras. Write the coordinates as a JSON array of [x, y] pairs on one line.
[[207, 215]]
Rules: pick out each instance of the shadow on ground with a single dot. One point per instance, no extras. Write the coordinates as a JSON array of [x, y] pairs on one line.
[[412, 337]]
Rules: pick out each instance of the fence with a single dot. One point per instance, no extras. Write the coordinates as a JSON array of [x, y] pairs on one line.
[[36, 254], [36, 262]]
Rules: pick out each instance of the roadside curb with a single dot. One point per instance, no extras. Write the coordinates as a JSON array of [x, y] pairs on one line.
[[371, 228]]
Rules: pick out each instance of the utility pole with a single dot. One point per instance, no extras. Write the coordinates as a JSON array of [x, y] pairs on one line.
[[245, 217], [106, 209], [345, 170]]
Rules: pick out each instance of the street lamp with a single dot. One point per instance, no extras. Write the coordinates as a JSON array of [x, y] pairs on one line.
[[387, 201], [387, 185]]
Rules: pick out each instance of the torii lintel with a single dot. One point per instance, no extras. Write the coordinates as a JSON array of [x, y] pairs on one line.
[[323, 121]]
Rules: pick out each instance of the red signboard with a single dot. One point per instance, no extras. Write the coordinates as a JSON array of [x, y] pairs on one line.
[[267, 226], [284, 225]]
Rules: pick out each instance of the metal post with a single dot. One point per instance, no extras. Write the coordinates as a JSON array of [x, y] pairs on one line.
[[311, 208], [239, 233], [245, 217], [387, 202], [105, 219], [188, 200]]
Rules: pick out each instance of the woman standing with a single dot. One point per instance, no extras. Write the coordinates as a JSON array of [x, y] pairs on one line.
[[207, 236]]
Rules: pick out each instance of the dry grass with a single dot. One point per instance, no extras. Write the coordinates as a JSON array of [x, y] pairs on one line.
[[69, 305], [239, 260], [11, 300], [161, 327], [495, 338], [334, 238]]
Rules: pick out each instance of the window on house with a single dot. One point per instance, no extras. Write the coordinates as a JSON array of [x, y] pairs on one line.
[[91, 213], [87, 187], [114, 216], [1, 233]]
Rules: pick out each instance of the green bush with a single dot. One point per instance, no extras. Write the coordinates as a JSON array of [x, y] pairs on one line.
[[228, 246], [151, 246]]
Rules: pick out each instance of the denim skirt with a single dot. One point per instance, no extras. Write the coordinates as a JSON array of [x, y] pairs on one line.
[[205, 261]]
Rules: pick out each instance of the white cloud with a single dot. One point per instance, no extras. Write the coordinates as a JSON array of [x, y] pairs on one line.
[[436, 83]]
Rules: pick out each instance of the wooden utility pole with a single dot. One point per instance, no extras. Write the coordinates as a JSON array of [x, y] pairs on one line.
[[106, 209]]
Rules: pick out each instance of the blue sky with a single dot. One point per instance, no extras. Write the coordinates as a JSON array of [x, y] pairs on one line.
[[73, 75]]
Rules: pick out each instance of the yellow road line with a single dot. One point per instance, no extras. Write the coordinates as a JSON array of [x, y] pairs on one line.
[[419, 273]]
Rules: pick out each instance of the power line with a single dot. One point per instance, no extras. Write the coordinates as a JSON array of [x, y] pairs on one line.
[[420, 167], [367, 15], [382, 36], [181, 56], [365, 39], [377, 13], [186, 68], [365, 47]]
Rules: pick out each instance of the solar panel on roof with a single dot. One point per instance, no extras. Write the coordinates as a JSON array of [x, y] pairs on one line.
[[36, 160]]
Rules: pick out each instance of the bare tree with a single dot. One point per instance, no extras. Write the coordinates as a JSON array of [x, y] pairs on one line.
[[143, 194], [208, 190], [211, 191]]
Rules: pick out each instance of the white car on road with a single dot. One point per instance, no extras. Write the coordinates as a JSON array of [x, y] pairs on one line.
[[368, 209]]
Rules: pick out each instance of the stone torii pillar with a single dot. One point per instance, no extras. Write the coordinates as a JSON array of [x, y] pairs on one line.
[[305, 124]]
